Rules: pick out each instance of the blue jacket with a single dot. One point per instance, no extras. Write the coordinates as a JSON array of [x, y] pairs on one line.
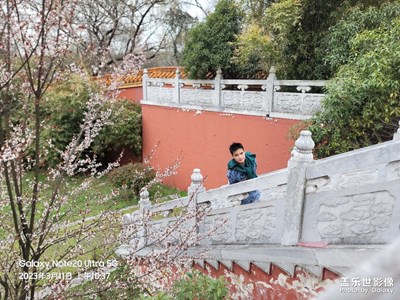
[[235, 176]]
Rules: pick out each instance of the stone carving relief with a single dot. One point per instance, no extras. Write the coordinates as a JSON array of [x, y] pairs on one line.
[[288, 102], [393, 170], [319, 184], [255, 224], [188, 96], [362, 215], [205, 97], [311, 104], [231, 99], [358, 178], [253, 100], [153, 93], [167, 95], [220, 227], [274, 193]]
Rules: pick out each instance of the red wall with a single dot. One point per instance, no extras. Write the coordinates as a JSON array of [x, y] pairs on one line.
[[134, 94], [201, 139], [274, 286]]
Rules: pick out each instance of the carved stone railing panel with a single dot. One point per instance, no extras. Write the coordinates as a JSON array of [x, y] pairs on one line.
[[256, 223], [354, 197], [197, 97]]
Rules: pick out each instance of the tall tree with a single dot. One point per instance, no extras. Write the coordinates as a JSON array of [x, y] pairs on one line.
[[209, 47]]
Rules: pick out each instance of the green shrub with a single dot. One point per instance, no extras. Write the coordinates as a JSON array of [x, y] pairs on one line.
[[200, 286], [362, 103], [63, 111], [131, 178], [125, 132]]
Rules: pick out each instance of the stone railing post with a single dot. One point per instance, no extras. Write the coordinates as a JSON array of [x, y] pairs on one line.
[[217, 89], [269, 90], [396, 136], [145, 77], [177, 86], [301, 157], [196, 186], [144, 208]]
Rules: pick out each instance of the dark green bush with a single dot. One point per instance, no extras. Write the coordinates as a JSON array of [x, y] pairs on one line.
[[200, 286], [125, 132], [131, 178]]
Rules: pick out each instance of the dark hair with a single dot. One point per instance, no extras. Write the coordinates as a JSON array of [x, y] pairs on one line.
[[234, 146]]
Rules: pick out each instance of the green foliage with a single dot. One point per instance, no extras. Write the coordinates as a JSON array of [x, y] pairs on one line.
[[278, 22], [132, 178], [200, 286], [63, 108], [341, 35], [195, 285], [362, 106], [125, 132], [253, 51], [209, 47]]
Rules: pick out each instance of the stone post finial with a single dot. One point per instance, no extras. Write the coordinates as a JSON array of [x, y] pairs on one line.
[[196, 185], [272, 73], [145, 72], [396, 136], [144, 202], [219, 74], [178, 73], [196, 177], [303, 147]]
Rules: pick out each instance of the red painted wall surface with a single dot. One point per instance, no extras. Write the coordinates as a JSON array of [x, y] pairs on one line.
[[201, 139], [134, 94], [277, 285]]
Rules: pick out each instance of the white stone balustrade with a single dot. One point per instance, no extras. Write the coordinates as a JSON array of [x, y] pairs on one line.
[[291, 99], [351, 198]]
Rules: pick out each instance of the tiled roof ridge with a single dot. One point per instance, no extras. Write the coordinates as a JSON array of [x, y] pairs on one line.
[[156, 72]]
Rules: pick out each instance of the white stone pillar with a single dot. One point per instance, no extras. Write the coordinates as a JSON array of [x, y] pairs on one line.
[[295, 193], [396, 136], [217, 89], [196, 186], [144, 208], [269, 90], [177, 86]]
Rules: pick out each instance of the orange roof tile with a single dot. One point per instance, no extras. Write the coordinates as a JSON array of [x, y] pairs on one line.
[[135, 80]]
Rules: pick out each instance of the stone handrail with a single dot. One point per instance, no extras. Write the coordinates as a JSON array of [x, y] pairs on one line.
[[291, 99], [351, 198]]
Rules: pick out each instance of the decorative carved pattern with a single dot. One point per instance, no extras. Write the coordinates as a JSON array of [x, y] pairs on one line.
[[255, 224], [219, 226], [311, 104], [363, 215], [231, 99], [188, 96], [288, 102], [393, 170], [166, 95], [274, 193], [153, 93], [319, 184], [252, 100], [358, 178], [205, 97]]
